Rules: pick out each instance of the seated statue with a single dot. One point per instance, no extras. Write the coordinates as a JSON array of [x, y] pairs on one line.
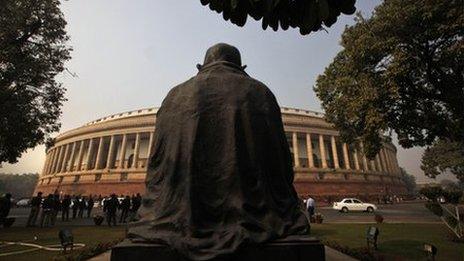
[[221, 174]]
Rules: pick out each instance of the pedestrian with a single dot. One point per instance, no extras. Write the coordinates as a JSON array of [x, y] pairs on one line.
[[109, 207], [89, 206], [65, 203], [75, 206], [136, 203], [56, 208], [82, 206], [310, 206], [47, 211], [35, 209], [125, 207], [5, 206]]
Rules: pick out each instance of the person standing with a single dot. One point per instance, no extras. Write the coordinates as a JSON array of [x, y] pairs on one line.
[[56, 208], [89, 206], [125, 206], [75, 206], [66, 202], [5, 206], [47, 209], [310, 206], [35, 209], [82, 205], [110, 207]]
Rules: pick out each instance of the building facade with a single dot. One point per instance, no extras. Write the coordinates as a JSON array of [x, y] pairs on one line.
[[110, 155]]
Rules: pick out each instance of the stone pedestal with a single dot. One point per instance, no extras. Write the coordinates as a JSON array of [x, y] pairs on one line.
[[293, 248]]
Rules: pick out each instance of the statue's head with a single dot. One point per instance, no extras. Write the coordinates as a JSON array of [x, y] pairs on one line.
[[222, 52]]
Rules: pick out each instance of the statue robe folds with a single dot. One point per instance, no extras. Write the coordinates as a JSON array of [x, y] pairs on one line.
[[221, 174]]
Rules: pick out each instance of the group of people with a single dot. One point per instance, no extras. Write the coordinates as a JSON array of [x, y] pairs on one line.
[[128, 206], [49, 207]]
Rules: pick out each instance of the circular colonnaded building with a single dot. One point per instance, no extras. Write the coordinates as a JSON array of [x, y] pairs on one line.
[[110, 155]]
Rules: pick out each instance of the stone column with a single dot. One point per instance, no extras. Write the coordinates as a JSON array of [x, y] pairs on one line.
[[135, 162], [57, 161], [387, 161], [296, 156], [47, 159], [80, 155], [356, 159], [52, 162], [346, 159], [64, 164], [309, 151], [56, 151], [383, 160], [373, 165], [334, 152], [109, 160], [364, 159], [377, 160], [89, 154], [322, 151], [60, 159], [71, 158], [122, 153], [150, 146], [99, 153]]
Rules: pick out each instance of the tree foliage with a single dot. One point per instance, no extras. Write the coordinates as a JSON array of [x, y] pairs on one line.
[[32, 52], [432, 192], [307, 15], [19, 185], [444, 156], [401, 70]]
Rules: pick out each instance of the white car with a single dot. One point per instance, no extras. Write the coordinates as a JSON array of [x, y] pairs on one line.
[[23, 202], [353, 204]]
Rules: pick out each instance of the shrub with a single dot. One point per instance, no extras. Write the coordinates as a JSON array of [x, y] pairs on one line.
[[432, 193], [435, 208], [452, 196]]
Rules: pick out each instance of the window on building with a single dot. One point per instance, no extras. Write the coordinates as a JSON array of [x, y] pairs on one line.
[[98, 176], [76, 178], [49, 180], [60, 180], [124, 177]]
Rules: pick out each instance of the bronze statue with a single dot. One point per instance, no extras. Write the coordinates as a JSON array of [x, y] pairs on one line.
[[221, 175]]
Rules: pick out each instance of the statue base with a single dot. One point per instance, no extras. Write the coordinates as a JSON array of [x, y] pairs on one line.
[[292, 248]]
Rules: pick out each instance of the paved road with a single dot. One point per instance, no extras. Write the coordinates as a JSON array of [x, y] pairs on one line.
[[413, 212], [397, 213], [21, 215]]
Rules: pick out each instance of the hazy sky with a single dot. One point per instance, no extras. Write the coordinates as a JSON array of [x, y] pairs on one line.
[[128, 54]]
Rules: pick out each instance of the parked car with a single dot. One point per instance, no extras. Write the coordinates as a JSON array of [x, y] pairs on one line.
[[353, 204], [22, 203]]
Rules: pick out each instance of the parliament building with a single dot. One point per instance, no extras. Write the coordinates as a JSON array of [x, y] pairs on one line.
[[110, 155]]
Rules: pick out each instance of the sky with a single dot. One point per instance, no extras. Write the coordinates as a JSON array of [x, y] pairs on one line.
[[128, 54]]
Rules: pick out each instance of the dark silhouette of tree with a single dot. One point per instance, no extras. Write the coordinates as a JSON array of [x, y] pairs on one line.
[[307, 15], [32, 52]]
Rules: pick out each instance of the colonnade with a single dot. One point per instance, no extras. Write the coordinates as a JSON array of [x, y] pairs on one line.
[[99, 153], [124, 152], [313, 150]]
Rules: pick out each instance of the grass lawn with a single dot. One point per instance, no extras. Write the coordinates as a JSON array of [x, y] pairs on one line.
[[90, 236], [396, 241]]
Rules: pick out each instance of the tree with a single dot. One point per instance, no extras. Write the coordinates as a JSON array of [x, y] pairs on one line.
[[20, 185], [32, 52], [444, 156], [401, 70], [307, 15], [409, 181]]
